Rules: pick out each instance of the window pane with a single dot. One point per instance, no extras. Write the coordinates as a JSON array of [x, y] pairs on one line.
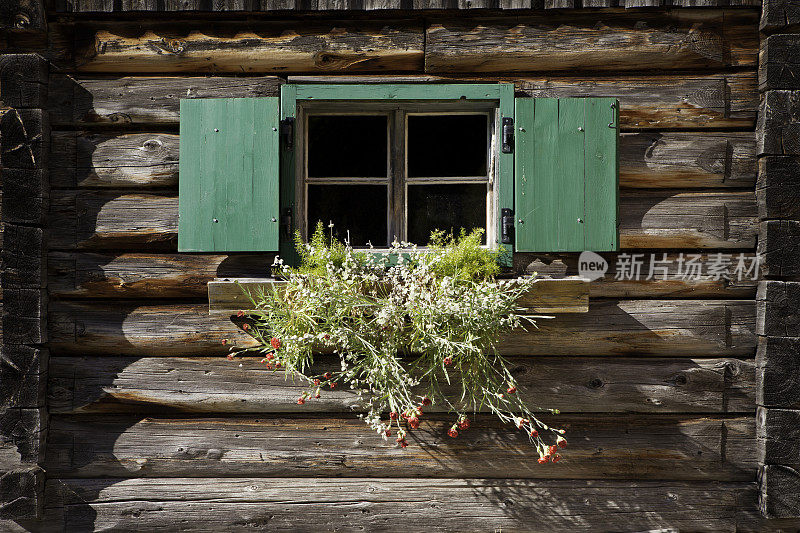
[[352, 146], [447, 145], [361, 209], [445, 207]]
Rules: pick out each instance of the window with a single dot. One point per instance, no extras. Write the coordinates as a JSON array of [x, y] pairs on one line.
[[385, 161], [381, 172]]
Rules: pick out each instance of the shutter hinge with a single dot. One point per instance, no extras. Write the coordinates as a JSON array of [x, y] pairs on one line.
[[286, 222], [506, 225], [287, 132], [508, 135]]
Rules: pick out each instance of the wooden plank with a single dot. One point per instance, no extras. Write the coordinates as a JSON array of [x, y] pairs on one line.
[[672, 40], [132, 275], [652, 160], [235, 504], [692, 100], [216, 385], [637, 327], [611, 447], [648, 219], [601, 174], [779, 244], [311, 46], [566, 295]]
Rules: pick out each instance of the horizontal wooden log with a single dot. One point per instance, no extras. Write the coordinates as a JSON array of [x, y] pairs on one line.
[[143, 100], [227, 296], [24, 376], [25, 139], [778, 372], [21, 494], [234, 504], [778, 187], [778, 65], [23, 81], [647, 160], [778, 129], [132, 275], [22, 436], [311, 46], [677, 39], [778, 434], [779, 245], [611, 447], [652, 219], [635, 327], [25, 196], [216, 385], [778, 313], [23, 254], [688, 101], [779, 491], [779, 16]]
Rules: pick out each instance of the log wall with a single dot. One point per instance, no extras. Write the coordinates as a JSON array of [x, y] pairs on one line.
[[152, 428]]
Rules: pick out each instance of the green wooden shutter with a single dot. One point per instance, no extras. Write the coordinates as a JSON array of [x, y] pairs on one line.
[[229, 175], [566, 174]]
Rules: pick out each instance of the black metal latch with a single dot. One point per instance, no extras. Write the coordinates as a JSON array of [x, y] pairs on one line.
[[506, 225], [508, 135], [287, 132], [286, 222]]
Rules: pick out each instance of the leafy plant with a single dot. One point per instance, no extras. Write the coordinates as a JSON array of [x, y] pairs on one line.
[[411, 328]]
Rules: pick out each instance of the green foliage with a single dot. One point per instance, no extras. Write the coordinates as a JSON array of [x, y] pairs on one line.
[[463, 258]]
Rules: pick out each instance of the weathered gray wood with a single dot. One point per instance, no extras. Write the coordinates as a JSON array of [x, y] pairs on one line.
[[778, 311], [644, 327], [24, 257], [24, 376], [778, 372], [124, 446], [779, 15], [778, 187], [779, 65], [25, 135], [779, 244], [227, 296], [647, 160], [778, 434], [652, 219], [24, 316], [23, 80], [22, 434], [143, 100], [779, 491], [21, 493], [216, 385], [235, 504], [311, 46], [695, 100], [132, 275], [778, 129], [690, 40]]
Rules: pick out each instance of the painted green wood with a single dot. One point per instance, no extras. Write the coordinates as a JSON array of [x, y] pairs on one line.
[[505, 170], [228, 175], [601, 214], [286, 248], [564, 202], [399, 91]]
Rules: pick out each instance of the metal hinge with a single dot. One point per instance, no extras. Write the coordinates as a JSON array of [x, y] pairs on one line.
[[506, 226], [508, 135], [287, 132], [286, 222]]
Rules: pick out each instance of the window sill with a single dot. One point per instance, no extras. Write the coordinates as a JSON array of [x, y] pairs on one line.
[[547, 296]]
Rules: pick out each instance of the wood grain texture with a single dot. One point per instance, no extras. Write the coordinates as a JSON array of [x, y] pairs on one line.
[[778, 128], [778, 64], [677, 39], [634, 327], [407, 503], [142, 275], [779, 245], [778, 308], [649, 219], [778, 436], [216, 385], [778, 187], [689, 101], [611, 447], [778, 372], [647, 160], [779, 488], [779, 15], [313, 46]]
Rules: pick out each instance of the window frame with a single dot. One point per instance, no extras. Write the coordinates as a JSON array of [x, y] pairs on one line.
[[294, 94]]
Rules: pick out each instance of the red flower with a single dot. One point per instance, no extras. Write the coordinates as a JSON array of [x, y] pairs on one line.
[[278, 364], [403, 443], [230, 357], [543, 460], [224, 342], [556, 458], [534, 433], [512, 389], [393, 415], [413, 422], [448, 361], [240, 314], [269, 366], [388, 432], [426, 401], [463, 424], [316, 382], [275, 343], [562, 442], [301, 400], [453, 431], [270, 356], [327, 375], [552, 449], [317, 395], [333, 385]]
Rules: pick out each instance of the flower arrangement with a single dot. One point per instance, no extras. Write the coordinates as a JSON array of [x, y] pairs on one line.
[[411, 328]]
